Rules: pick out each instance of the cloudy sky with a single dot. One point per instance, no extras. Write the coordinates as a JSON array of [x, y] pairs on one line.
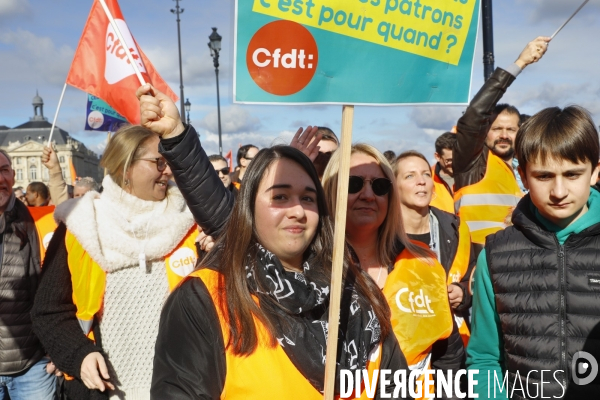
[[38, 39]]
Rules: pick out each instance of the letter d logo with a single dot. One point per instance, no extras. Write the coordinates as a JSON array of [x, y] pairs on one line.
[[581, 368]]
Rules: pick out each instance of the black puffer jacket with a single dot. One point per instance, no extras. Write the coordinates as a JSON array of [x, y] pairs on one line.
[[469, 156], [209, 201], [19, 279], [548, 301]]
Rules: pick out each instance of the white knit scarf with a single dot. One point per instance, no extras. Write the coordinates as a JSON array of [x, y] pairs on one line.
[[115, 227]]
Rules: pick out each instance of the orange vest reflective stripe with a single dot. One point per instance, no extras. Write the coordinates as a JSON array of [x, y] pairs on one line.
[[441, 198], [267, 373], [418, 297], [486, 205], [459, 268], [89, 279], [45, 226]]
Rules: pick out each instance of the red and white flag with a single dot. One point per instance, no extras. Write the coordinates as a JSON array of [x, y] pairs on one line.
[[229, 158], [101, 67]]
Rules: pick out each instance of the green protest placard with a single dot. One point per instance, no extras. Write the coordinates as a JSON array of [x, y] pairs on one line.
[[354, 51]]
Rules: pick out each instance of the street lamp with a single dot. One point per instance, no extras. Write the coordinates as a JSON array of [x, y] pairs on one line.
[[188, 107], [215, 47], [178, 11]]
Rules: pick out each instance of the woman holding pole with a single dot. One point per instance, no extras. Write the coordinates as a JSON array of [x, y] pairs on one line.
[[252, 322], [402, 268]]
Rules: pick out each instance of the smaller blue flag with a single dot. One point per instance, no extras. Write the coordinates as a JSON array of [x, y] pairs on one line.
[[101, 116]]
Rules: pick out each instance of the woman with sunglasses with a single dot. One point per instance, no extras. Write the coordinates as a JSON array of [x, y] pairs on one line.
[[109, 268], [376, 234], [251, 323]]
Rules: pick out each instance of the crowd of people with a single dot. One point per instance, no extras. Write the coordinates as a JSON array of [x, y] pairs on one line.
[[180, 278]]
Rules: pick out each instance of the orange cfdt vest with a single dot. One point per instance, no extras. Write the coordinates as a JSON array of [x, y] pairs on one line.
[[45, 226], [418, 297], [267, 373], [89, 279], [441, 198], [487, 205]]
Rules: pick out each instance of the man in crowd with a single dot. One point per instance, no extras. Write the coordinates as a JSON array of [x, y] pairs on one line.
[[23, 366], [219, 163], [487, 189], [19, 193], [443, 175], [84, 185], [244, 156], [37, 194]]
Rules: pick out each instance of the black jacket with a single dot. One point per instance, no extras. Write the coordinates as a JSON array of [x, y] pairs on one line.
[[55, 320], [19, 278], [194, 366], [548, 302], [469, 156], [208, 200], [449, 354]]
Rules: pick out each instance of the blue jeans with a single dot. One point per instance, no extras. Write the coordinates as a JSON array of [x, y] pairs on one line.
[[34, 383]]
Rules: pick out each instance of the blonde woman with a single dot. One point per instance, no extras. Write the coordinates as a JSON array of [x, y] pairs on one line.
[[413, 284], [109, 268]]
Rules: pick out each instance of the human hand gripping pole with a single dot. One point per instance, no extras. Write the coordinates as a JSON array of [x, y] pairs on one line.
[[158, 112], [533, 52]]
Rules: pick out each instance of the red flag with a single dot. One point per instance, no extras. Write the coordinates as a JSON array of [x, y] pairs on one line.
[[229, 157], [100, 66]]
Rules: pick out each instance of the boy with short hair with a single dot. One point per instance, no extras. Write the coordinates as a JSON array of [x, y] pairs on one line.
[[537, 284]]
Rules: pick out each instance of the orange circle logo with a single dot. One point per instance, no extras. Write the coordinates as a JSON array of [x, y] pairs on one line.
[[282, 57]]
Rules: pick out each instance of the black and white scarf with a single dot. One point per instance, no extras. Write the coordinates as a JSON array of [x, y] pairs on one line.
[[301, 321]]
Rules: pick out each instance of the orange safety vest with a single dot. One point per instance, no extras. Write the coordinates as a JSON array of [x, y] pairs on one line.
[[89, 279], [418, 297], [267, 373], [441, 198], [457, 271], [486, 205], [45, 226]]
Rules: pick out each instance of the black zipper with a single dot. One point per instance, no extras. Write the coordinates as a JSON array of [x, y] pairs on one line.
[[562, 313]]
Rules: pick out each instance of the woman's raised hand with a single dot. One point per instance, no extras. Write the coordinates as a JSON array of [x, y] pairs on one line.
[[158, 112], [303, 141]]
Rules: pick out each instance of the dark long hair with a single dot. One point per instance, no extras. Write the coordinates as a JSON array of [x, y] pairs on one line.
[[237, 248]]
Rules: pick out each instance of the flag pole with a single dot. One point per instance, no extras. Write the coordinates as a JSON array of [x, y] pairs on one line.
[[123, 42], [49, 144], [339, 242], [570, 18]]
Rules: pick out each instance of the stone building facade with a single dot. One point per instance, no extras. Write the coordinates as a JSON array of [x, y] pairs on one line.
[[25, 144]]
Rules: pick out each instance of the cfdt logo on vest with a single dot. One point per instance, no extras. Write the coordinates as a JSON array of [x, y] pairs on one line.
[[282, 57], [411, 302]]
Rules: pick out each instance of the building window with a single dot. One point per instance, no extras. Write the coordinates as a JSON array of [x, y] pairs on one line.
[[64, 172], [33, 173], [62, 159], [18, 160], [19, 174]]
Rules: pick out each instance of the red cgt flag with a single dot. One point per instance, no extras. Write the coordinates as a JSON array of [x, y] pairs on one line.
[[100, 66]]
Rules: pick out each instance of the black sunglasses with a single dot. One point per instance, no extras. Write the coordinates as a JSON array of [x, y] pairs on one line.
[[380, 186], [224, 171]]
